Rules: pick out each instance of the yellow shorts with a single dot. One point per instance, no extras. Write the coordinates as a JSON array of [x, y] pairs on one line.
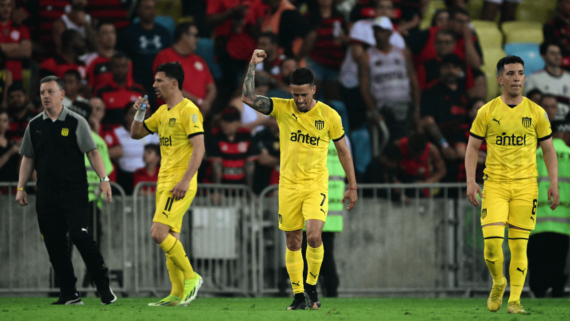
[[170, 212], [298, 205], [510, 202]]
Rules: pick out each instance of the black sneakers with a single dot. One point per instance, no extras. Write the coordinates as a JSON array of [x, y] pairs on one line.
[[107, 296], [73, 299], [312, 297], [298, 303]]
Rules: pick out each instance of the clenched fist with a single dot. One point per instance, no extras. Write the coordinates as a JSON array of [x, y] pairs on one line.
[[258, 56]]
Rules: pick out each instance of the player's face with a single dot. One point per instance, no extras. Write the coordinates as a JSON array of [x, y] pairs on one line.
[[51, 95], [17, 101], [550, 105], [4, 123], [5, 9], [107, 36], [303, 96], [512, 79], [553, 56], [163, 85], [98, 109], [444, 44]]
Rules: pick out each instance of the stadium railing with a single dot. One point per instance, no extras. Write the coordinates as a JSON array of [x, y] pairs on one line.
[[26, 267], [218, 234]]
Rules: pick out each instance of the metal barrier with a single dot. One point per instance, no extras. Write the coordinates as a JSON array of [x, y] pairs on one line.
[[26, 266], [400, 238], [218, 234]]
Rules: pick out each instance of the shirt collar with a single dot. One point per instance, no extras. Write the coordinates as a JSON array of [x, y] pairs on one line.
[[61, 117]]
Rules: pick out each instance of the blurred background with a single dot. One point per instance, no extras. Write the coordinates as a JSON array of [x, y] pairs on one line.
[[407, 96]]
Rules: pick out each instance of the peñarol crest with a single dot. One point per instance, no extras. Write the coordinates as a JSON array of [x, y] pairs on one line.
[[319, 124], [172, 122], [526, 121]]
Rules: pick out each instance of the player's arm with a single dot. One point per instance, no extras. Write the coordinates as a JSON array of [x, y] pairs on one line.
[[26, 170], [138, 129], [414, 84], [438, 164], [364, 81], [262, 104], [348, 165], [197, 141], [551, 162], [471, 154], [97, 163]]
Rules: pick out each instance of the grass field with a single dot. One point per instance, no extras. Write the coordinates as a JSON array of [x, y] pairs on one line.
[[273, 309]]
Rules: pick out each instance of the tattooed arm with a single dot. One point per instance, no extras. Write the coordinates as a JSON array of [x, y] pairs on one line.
[[260, 103]]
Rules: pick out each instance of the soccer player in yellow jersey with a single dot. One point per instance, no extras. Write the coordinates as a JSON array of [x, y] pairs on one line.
[[513, 126], [179, 127], [306, 127]]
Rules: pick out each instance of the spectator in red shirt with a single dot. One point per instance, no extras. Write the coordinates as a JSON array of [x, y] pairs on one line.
[[231, 152], [15, 41], [6, 81], [557, 30], [148, 173], [76, 19], [329, 49], [18, 111], [118, 91], [199, 87], [405, 15], [73, 46], [98, 64]]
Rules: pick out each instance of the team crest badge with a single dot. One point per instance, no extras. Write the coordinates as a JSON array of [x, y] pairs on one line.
[[483, 213], [319, 124], [64, 132], [276, 145], [172, 122], [526, 121], [194, 118]]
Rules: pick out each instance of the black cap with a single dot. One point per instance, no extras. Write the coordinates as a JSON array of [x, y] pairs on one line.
[[452, 59], [83, 109], [230, 114]]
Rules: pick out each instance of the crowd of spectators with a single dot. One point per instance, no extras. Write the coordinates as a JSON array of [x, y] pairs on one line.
[[407, 95]]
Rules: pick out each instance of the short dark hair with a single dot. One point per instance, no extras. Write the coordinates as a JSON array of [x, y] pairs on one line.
[[446, 32], [74, 73], [181, 29], [507, 61], [154, 147], [173, 70], [272, 37], [534, 92], [119, 55], [544, 46], [17, 86], [545, 96], [57, 80], [302, 76], [417, 143], [457, 10], [67, 36], [103, 22]]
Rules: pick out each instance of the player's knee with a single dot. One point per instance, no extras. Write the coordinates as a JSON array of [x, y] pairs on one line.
[[314, 239], [157, 234], [294, 241]]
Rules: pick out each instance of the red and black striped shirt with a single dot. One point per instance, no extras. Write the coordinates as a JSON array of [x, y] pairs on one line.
[[233, 154], [327, 51]]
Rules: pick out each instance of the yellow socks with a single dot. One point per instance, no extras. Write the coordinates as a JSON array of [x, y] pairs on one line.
[[294, 264], [176, 278], [175, 252], [494, 236], [518, 241], [314, 261]]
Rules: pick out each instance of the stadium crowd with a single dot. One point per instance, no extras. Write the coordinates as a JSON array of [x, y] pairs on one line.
[[407, 79]]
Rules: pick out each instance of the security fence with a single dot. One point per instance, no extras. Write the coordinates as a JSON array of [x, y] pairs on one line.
[[400, 239]]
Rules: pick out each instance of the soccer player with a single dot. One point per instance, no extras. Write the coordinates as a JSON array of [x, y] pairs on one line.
[[306, 127], [512, 126], [181, 133]]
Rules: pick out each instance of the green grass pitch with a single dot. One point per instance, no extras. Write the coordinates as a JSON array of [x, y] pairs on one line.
[[273, 309]]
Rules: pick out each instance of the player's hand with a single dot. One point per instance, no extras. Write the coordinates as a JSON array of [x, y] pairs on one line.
[[553, 197], [138, 103], [258, 56], [179, 191], [352, 196], [472, 190], [22, 198], [105, 189]]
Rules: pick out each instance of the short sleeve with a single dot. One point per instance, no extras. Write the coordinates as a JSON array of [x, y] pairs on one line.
[[84, 137], [192, 122], [151, 124], [479, 127], [543, 127], [276, 106], [27, 149], [336, 132]]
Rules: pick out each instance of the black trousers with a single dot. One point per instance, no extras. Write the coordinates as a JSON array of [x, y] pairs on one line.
[[63, 211], [547, 254], [328, 273]]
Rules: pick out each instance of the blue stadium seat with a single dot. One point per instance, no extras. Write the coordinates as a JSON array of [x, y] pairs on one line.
[[340, 108], [529, 52], [361, 151], [205, 49]]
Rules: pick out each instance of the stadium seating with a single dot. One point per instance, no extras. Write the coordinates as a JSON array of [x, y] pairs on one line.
[[534, 13], [475, 8], [511, 26], [489, 34], [432, 7], [205, 49], [525, 36], [491, 56], [529, 52]]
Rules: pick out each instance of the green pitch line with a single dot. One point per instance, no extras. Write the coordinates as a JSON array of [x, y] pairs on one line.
[[273, 309]]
